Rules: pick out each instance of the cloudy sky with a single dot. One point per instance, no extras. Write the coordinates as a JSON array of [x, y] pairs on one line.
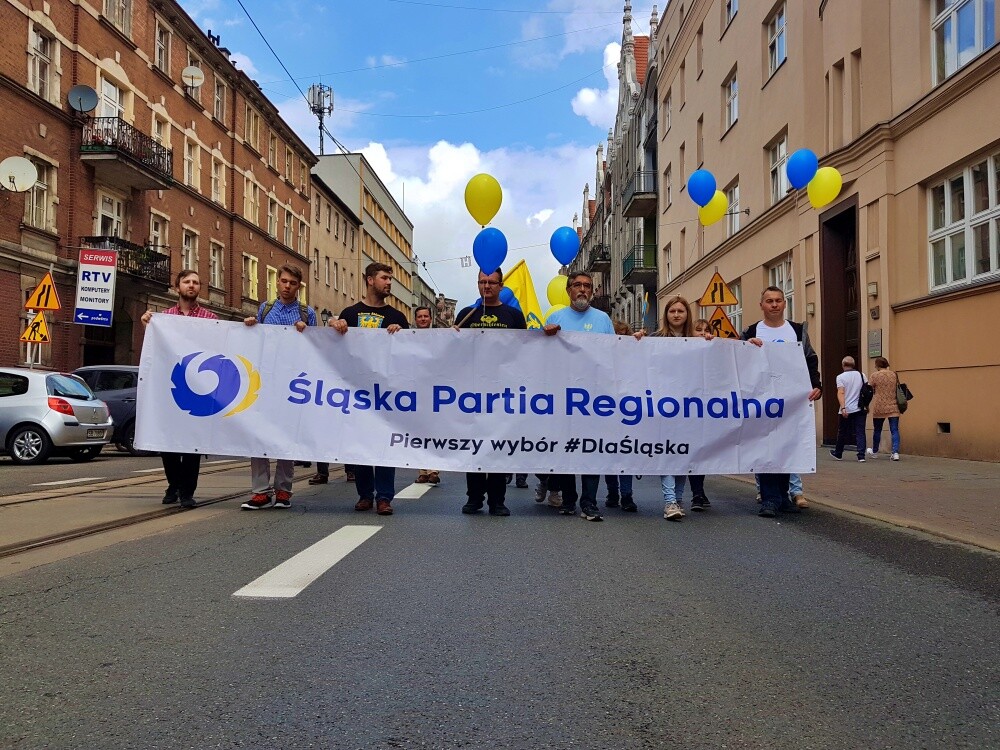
[[435, 91]]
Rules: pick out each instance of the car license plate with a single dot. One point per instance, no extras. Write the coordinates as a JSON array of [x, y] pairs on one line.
[[94, 434]]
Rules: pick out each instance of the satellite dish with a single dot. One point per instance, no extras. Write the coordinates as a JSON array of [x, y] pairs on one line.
[[192, 76], [17, 174], [82, 98]]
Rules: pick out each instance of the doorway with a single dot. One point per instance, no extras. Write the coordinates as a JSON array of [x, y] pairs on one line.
[[839, 279]]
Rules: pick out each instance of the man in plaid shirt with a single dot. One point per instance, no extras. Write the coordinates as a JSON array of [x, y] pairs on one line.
[[182, 469], [286, 310]]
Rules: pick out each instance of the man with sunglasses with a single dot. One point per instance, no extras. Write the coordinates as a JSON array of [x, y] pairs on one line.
[[489, 312]]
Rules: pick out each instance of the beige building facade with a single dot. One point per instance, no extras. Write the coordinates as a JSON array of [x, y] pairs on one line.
[[335, 257], [904, 263]]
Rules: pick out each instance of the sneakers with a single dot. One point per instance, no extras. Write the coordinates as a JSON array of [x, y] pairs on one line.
[[319, 479], [540, 494], [834, 454], [422, 478], [169, 497], [555, 499], [611, 502], [434, 478], [700, 503], [590, 514], [800, 501], [894, 457], [258, 501], [282, 499], [499, 510], [673, 512], [567, 511], [383, 507], [872, 454], [188, 502], [471, 508], [365, 503], [861, 459], [767, 510], [628, 504]]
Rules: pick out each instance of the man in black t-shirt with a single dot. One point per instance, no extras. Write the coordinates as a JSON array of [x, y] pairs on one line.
[[489, 313], [376, 484]]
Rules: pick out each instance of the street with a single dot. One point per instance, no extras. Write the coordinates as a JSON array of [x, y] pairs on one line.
[[441, 630]]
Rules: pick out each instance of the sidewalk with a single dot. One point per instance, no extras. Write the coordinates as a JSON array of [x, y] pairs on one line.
[[948, 498]]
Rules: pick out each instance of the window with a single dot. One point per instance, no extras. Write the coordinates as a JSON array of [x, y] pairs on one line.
[[326, 269], [777, 154], [336, 276], [272, 151], [288, 228], [193, 61], [250, 278], [161, 131], [189, 251], [119, 13], [964, 219], [216, 267], [731, 101], [700, 141], [218, 181], [681, 159], [668, 111], [735, 312], [303, 174], [668, 259], [39, 202], [780, 275], [252, 128], [12, 385], [329, 214], [353, 289], [319, 211], [192, 165], [680, 82], [272, 283], [251, 201], [112, 102], [733, 213], [289, 163], [40, 63], [304, 294], [668, 186], [729, 8], [110, 215], [161, 55], [961, 30], [699, 45], [159, 229], [219, 100], [272, 217], [315, 264], [303, 238], [776, 44]]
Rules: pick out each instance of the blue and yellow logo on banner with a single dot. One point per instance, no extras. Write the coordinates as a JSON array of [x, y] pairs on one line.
[[236, 385]]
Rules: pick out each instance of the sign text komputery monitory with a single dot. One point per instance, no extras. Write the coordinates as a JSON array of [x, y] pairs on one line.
[[630, 409]]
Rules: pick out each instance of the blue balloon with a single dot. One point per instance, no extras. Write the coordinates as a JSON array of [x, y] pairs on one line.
[[801, 168], [507, 295], [564, 244], [701, 186], [489, 249]]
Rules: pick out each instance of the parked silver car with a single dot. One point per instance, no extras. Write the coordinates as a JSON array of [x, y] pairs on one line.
[[45, 413]]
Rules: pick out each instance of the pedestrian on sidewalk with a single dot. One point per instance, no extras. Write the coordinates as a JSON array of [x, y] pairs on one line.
[[852, 416], [884, 406], [286, 310], [181, 469]]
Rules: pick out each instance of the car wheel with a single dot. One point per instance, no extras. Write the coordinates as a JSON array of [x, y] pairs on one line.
[[29, 445], [79, 455], [128, 442]]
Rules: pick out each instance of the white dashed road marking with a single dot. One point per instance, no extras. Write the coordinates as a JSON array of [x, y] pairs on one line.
[[67, 481], [292, 576], [413, 492], [146, 471]]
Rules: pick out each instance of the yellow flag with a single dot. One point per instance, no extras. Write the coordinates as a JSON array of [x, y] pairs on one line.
[[518, 280]]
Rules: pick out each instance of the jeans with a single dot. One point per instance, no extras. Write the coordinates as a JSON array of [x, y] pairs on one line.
[[375, 482], [852, 424], [567, 484], [181, 470], [794, 485], [773, 489], [673, 486], [877, 423], [615, 482], [491, 486]]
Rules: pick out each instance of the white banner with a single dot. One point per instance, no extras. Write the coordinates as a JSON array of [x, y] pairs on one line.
[[475, 400]]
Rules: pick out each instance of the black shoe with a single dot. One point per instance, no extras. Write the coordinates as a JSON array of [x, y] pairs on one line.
[[590, 514], [628, 505], [304, 464], [188, 502], [834, 454], [169, 497], [611, 502], [699, 504], [567, 510], [789, 507], [521, 484], [472, 508], [766, 510], [499, 510]]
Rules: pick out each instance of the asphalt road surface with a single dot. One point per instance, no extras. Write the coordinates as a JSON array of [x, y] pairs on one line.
[[535, 631]]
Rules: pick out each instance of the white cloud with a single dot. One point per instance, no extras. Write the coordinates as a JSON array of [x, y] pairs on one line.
[[599, 106], [244, 63], [536, 220]]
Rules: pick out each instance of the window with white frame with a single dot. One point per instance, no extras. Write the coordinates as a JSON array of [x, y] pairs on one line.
[[289, 163], [730, 9], [159, 230], [219, 99], [41, 63], [250, 277], [189, 250], [352, 288], [336, 276], [251, 200], [735, 312], [668, 260], [780, 276], [110, 214], [315, 263], [668, 111], [161, 54], [39, 201], [326, 269], [668, 186], [272, 283], [319, 210], [119, 13], [216, 265], [272, 217], [218, 181], [304, 294], [288, 227], [112, 103], [329, 214], [251, 132], [777, 154], [161, 131], [192, 164], [733, 212], [303, 237], [272, 151], [776, 43], [961, 30], [193, 61], [964, 222], [731, 100]]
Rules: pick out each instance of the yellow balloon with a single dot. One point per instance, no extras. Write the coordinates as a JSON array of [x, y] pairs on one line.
[[556, 291], [552, 310], [714, 210], [483, 197], [824, 187]]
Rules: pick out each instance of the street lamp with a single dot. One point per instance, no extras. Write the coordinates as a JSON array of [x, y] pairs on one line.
[[325, 315]]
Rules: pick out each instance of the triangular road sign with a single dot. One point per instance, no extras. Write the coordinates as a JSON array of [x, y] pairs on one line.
[[717, 293], [721, 326], [45, 296], [37, 331]]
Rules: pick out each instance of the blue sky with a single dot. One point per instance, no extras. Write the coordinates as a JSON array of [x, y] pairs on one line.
[[402, 110]]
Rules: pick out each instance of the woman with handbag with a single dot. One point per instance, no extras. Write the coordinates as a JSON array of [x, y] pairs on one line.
[[884, 406]]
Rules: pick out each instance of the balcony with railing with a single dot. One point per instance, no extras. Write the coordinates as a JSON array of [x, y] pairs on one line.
[[639, 195], [599, 259], [125, 157], [602, 302], [142, 261], [639, 267]]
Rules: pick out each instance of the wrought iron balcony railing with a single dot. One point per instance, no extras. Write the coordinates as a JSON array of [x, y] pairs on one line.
[[143, 261], [114, 135], [642, 184], [641, 258]]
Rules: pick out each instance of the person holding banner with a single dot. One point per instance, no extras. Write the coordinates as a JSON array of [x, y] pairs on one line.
[[181, 469], [775, 329], [422, 321], [493, 314], [376, 484]]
